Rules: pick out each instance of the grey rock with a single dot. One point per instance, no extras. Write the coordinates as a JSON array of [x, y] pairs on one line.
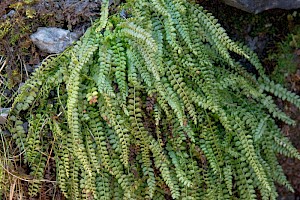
[[6, 133], [123, 14], [9, 14], [32, 68], [25, 126], [257, 6], [3, 115], [78, 6], [52, 39], [288, 197]]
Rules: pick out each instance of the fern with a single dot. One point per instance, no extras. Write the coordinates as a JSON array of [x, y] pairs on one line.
[[153, 107]]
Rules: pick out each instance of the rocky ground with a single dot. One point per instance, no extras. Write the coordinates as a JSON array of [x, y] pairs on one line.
[[274, 35]]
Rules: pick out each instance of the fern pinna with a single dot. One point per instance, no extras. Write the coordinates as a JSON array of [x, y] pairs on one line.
[[152, 105]]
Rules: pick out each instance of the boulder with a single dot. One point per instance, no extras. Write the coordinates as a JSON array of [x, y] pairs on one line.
[[52, 39], [257, 6]]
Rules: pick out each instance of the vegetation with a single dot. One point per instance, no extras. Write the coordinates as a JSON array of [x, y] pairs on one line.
[[151, 104], [20, 18], [285, 57]]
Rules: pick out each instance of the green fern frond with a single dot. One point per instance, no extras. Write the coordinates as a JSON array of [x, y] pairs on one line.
[[152, 105]]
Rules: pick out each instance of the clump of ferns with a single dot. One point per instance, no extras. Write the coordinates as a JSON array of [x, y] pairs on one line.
[[153, 106]]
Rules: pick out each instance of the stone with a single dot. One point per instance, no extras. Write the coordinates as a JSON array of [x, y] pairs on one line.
[[3, 115], [10, 14], [52, 39], [257, 6]]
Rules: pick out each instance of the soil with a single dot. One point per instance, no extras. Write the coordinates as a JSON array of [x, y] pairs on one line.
[[261, 32]]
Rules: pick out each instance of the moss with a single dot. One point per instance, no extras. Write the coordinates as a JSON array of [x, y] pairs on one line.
[[286, 56]]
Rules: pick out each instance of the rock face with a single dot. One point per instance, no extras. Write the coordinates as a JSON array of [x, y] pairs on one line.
[[52, 39], [256, 6]]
